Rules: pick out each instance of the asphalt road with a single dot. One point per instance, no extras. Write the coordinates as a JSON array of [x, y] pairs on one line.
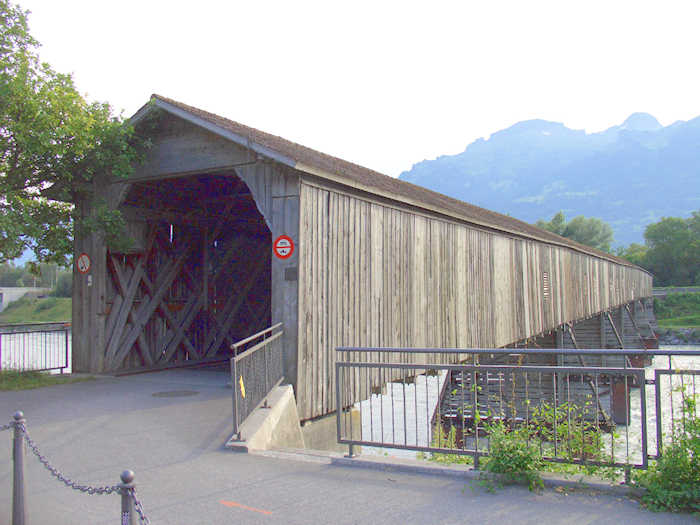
[[92, 431]]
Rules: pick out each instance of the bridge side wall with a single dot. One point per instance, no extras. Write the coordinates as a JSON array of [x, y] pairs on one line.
[[373, 273]]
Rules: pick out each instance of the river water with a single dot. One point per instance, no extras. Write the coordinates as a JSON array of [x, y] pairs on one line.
[[402, 414]]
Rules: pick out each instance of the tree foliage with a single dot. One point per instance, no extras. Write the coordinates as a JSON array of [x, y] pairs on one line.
[[589, 231], [42, 275], [634, 253], [671, 251], [53, 145], [673, 254]]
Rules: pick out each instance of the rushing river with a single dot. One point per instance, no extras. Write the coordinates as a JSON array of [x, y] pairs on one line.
[[402, 414]]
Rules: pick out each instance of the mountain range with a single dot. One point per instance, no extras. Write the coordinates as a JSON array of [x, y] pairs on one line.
[[628, 175]]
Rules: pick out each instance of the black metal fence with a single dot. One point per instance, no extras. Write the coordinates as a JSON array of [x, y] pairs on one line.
[[596, 415], [37, 346], [131, 507], [256, 368]]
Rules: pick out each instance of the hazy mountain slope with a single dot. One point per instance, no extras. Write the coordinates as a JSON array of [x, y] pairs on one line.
[[628, 175]]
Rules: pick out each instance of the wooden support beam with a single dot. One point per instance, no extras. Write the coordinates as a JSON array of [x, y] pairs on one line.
[[112, 345], [591, 385], [232, 305], [634, 325], [194, 305], [189, 313], [174, 323], [617, 334], [144, 312], [242, 226], [122, 284]]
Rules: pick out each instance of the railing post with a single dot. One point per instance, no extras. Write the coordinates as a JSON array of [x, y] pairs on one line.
[[67, 338], [234, 401], [18, 506], [267, 381], [125, 488]]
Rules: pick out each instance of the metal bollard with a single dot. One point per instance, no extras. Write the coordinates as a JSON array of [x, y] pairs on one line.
[[127, 515], [18, 506]]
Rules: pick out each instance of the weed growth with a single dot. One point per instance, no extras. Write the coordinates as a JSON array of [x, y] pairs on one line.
[[673, 482]]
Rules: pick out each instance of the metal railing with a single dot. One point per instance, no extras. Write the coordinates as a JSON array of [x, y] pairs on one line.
[[583, 414], [255, 371], [36, 346], [131, 506], [681, 385]]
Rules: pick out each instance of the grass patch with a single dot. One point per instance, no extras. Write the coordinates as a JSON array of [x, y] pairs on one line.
[[687, 321], [678, 310], [13, 380], [34, 310]]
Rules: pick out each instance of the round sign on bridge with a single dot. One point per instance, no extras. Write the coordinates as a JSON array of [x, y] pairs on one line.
[[83, 263], [283, 247]]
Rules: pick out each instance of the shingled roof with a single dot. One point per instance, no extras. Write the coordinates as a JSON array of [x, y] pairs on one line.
[[341, 171]]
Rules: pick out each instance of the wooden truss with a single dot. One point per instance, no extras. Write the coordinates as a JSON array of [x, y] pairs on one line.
[[188, 296]]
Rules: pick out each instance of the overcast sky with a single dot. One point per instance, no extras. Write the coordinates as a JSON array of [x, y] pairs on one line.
[[383, 84]]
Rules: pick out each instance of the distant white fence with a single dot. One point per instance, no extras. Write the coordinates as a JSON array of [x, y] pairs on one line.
[[40, 347]]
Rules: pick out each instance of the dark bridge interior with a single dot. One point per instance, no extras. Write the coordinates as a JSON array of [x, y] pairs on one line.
[[198, 278]]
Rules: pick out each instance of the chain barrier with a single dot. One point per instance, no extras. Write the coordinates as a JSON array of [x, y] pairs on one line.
[[57, 474], [87, 489], [138, 506]]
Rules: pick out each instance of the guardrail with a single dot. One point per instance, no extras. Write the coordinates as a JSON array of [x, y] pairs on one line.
[[36, 346], [591, 415], [131, 506], [255, 371]]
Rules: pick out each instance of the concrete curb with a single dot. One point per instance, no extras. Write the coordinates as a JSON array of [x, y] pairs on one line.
[[392, 464]]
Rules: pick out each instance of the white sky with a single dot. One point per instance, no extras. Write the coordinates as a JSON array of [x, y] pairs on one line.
[[383, 84]]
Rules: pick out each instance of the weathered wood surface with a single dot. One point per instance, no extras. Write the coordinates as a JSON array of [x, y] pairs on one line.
[[203, 212], [374, 274]]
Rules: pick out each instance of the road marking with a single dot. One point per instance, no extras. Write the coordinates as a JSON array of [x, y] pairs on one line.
[[244, 507]]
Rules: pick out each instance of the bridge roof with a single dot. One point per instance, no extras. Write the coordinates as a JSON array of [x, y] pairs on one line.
[[347, 173]]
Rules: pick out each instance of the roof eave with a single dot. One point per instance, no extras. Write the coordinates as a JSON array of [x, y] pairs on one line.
[[155, 102]]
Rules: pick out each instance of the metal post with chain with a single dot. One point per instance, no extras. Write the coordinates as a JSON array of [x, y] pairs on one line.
[[18, 506], [126, 489]]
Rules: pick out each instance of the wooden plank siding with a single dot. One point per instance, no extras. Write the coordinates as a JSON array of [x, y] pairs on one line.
[[378, 274]]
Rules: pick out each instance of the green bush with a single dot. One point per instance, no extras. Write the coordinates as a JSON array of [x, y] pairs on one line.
[[575, 437], [673, 483], [677, 305], [514, 455], [46, 304]]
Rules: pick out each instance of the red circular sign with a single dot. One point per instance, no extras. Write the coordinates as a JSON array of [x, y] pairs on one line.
[[283, 247], [83, 263]]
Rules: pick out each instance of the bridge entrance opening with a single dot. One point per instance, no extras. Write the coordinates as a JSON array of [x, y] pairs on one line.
[[197, 278]]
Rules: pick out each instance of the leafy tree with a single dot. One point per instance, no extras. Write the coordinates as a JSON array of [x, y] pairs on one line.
[[10, 274], [673, 255], [556, 225], [53, 146], [589, 231], [634, 253]]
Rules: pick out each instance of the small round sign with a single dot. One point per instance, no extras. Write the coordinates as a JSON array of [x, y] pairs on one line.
[[83, 263], [283, 247]]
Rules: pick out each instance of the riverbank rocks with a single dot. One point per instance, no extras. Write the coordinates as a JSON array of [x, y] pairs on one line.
[[680, 336]]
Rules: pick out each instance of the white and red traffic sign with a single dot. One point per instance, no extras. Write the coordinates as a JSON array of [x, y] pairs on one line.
[[283, 247], [83, 263]]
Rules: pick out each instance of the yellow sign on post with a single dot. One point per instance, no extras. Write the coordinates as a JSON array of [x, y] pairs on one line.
[[240, 382]]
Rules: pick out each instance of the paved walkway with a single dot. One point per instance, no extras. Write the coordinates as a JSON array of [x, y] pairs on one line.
[[94, 430]]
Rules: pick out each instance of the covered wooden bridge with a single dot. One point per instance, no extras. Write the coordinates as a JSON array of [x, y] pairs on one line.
[[364, 260]]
